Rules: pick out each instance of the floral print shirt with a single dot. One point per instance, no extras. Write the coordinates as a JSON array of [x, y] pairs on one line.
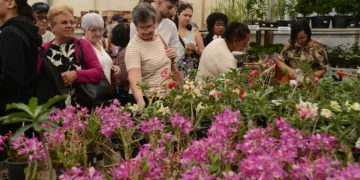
[[123, 81], [314, 54]]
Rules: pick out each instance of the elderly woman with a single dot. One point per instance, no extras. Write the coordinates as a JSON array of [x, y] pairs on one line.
[[93, 25], [145, 55], [217, 57], [216, 23], [63, 51], [301, 48]]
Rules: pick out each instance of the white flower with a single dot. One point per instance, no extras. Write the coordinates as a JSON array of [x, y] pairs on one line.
[[213, 93], [293, 83], [358, 71], [335, 106], [355, 107], [166, 110], [199, 107], [276, 102], [135, 108], [189, 85], [357, 144], [236, 91], [326, 113]]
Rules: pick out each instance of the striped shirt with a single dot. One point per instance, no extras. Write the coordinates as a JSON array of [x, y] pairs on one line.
[[149, 57]]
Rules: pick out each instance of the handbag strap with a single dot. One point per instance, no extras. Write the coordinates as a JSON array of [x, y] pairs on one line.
[[182, 41], [80, 53]]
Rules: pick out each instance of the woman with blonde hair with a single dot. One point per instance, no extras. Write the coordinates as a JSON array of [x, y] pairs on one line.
[[64, 53]]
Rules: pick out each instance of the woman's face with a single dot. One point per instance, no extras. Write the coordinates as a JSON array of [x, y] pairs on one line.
[[185, 17], [302, 38], [146, 30], [240, 45], [64, 26], [94, 35], [5, 6], [41, 20], [219, 27]]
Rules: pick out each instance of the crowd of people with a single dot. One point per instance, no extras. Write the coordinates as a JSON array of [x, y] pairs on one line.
[[36, 61]]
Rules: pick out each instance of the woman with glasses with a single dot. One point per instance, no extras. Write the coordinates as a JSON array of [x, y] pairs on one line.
[[216, 24], [40, 11], [145, 56], [93, 25], [301, 49], [63, 52]]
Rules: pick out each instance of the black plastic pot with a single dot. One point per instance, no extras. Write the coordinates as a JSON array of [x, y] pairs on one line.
[[16, 171], [340, 21], [271, 24], [321, 21], [94, 157], [307, 19], [356, 154], [290, 23], [281, 23], [249, 22], [353, 24], [264, 24], [259, 22]]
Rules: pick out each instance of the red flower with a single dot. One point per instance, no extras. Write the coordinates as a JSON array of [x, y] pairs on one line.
[[165, 73], [243, 94], [254, 73], [316, 79], [170, 84]]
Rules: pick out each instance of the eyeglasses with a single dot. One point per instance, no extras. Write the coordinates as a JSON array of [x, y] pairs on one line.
[[41, 18], [64, 23], [95, 30], [146, 29]]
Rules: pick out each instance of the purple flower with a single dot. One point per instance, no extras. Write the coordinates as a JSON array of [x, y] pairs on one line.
[[2, 141], [180, 122], [79, 173], [154, 125], [31, 149], [197, 173], [352, 172]]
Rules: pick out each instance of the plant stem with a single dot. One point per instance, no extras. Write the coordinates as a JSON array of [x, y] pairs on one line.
[[48, 158]]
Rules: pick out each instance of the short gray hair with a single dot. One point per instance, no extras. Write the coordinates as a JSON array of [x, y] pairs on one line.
[[92, 20], [143, 12]]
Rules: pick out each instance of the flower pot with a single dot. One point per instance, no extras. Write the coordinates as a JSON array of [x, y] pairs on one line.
[[249, 22], [271, 24], [321, 21], [263, 24], [94, 157], [353, 24], [16, 171], [290, 23], [259, 22], [203, 131], [340, 21], [281, 23], [307, 19], [356, 154], [353, 67]]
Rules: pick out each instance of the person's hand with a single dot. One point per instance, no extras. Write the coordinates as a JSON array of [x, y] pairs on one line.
[[116, 70], [267, 71], [141, 104], [191, 46], [171, 53], [69, 77], [293, 73]]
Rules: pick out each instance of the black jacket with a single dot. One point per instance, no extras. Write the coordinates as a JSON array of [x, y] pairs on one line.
[[18, 60]]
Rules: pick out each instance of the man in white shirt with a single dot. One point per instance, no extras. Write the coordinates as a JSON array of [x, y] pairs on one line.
[[164, 26]]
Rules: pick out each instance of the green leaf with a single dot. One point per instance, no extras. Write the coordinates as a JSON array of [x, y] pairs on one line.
[[145, 166], [53, 100], [52, 123], [19, 106], [21, 131], [16, 120], [88, 141], [33, 104], [37, 126]]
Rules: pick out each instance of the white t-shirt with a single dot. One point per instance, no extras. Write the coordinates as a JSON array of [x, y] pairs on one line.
[[105, 61], [167, 29], [48, 36], [216, 59]]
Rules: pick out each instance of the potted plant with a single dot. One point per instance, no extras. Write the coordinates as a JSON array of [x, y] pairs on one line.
[[233, 9], [355, 12], [322, 8], [342, 8], [304, 8], [291, 12], [280, 9], [256, 11]]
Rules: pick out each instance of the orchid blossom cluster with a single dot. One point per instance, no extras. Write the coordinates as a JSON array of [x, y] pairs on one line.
[[82, 174], [30, 148], [307, 110]]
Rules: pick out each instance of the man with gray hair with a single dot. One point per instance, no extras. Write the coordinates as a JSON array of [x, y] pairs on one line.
[[164, 26]]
